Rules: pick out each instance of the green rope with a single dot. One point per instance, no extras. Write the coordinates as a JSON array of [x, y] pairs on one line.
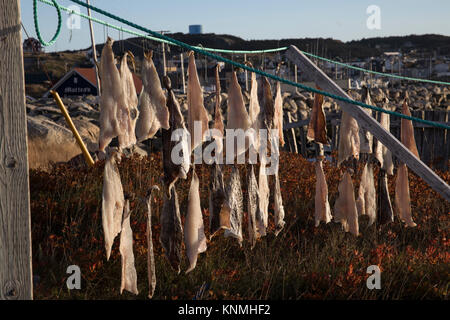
[[375, 72], [260, 72], [36, 23]]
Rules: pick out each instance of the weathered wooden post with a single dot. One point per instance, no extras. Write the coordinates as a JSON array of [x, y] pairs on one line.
[[15, 235]]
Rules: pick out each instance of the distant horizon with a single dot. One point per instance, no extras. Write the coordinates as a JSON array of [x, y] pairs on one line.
[[344, 21]]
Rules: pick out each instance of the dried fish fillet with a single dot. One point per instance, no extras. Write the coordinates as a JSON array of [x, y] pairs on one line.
[[384, 213], [402, 197], [150, 255], [129, 276], [262, 215], [278, 115], [348, 138], [317, 128], [112, 200], [252, 207], [129, 135], [234, 202], [365, 137], [383, 154], [407, 131], [322, 210], [253, 110], [367, 202], [153, 113], [114, 114], [194, 235], [219, 215], [218, 119], [267, 110], [278, 206], [345, 206], [174, 169], [171, 236], [196, 109], [237, 116]]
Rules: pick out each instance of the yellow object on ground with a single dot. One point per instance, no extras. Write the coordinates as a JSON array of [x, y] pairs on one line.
[[80, 142]]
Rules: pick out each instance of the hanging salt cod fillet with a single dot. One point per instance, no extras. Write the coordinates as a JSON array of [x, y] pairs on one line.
[[131, 100], [383, 154], [317, 128], [196, 109], [234, 202], [114, 114], [112, 200], [345, 206], [174, 170], [402, 196], [153, 113], [407, 131], [367, 202], [262, 215], [321, 205], [194, 235], [150, 256], [171, 236], [129, 276], [218, 119], [237, 116], [278, 116], [254, 109], [219, 215], [278, 206], [385, 213], [252, 206], [348, 138], [365, 137]]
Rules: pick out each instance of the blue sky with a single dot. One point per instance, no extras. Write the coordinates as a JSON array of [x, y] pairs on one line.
[[250, 19]]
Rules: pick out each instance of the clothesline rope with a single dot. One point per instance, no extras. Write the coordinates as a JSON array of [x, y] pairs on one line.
[[170, 40]]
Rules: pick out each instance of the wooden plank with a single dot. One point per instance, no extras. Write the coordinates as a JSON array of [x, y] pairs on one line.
[[369, 123], [15, 235]]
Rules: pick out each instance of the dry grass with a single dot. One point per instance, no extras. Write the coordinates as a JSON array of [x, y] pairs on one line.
[[303, 262]]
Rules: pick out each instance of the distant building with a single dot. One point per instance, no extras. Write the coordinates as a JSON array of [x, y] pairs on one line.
[[195, 29], [32, 45], [82, 82]]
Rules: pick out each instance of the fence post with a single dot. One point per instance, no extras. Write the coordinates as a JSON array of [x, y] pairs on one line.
[[15, 235]]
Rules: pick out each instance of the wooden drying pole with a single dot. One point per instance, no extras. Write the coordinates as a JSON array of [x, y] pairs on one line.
[[94, 49], [15, 235], [369, 123]]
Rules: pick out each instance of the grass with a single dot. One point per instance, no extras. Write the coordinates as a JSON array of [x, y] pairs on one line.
[[303, 262]]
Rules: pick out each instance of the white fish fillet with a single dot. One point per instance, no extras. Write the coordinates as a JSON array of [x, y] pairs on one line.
[[234, 202], [322, 210], [218, 119], [348, 138], [402, 196], [383, 154], [237, 116], [345, 207], [194, 235], [278, 206], [129, 276], [317, 127], [114, 114], [153, 112], [150, 255], [367, 202], [112, 201], [263, 188], [252, 207], [129, 135], [407, 131], [253, 109], [365, 137], [196, 108], [278, 116]]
